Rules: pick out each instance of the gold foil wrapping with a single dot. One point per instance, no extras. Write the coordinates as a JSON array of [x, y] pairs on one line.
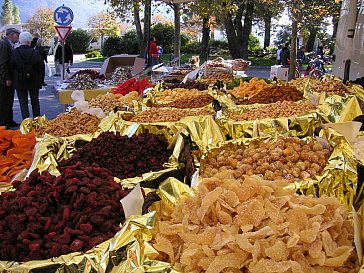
[[30, 124]]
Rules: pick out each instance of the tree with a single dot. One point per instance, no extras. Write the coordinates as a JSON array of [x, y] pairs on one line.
[[165, 35], [42, 24], [16, 15], [7, 13], [80, 40], [104, 24]]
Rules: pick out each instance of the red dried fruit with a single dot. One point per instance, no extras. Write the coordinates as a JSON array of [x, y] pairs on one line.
[[76, 245], [87, 228], [34, 247]]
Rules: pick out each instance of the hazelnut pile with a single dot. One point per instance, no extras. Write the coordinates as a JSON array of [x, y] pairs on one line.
[[331, 86], [169, 95], [191, 102], [276, 110], [109, 101], [287, 158]]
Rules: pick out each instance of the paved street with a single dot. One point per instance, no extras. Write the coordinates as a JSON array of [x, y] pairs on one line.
[[49, 97]]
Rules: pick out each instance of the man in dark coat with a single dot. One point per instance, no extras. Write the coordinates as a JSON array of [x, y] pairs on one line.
[[6, 91], [285, 55], [27, 66], [68, 57]]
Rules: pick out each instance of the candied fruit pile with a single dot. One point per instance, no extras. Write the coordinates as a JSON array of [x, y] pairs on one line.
[[47, 216], [251, 225], [124, 156]]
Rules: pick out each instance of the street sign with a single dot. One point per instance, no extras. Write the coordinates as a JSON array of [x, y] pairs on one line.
[[63, 16], [63, 32]]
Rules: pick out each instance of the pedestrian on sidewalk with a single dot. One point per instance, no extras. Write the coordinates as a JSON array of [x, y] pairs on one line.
[[279, 54], [27, 66], [44, 54], [56, 44], [68, 58], [285, 54], [7, 45]]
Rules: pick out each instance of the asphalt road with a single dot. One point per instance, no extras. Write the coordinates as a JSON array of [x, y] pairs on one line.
[[49, 97]]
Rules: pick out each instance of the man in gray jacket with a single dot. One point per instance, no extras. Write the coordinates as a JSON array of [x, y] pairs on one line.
[[6, 91]]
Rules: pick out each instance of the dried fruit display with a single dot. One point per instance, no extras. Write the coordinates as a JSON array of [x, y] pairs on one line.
[[331, 86], [169, 95], [82, 82], [189, 101], [124, 156], [248, 89], [132, 85], [213, 77], [70, 124], [287, 158], [16, 152], [190, 85], [47, 216], [275, 110], [109, 101], [120, 75], [168, 115], [94, 74], [250, 225], [275, 93]]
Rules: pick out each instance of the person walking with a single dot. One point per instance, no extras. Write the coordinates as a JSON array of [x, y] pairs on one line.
[[56, 44], [153, 52], [28, 67], [285, 55], [68, 57], [7, 45], [44, 54]]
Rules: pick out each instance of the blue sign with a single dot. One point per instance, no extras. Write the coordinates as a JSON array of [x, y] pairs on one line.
[[63, 16]]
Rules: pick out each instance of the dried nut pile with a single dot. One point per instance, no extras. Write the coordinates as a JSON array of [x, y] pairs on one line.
[[190, 85], [275, 93], [82, 82], [287, 158], [109, 101], [275, 110], [168, 115], [191, 102], [176, 93], [250, 225], [124, 156], [120, 75], [213, 77], [180, 72], [358, 147], [94, 74], [69, 124], [331, 86], [47, 216]]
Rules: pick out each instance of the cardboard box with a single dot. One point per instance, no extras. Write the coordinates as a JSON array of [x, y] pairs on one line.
[[279, 72], [110, 64]]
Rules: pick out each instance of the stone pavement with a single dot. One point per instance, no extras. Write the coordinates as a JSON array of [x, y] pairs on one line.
[[48, 96]]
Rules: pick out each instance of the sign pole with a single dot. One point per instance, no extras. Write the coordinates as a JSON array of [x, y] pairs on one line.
[[63, 58]]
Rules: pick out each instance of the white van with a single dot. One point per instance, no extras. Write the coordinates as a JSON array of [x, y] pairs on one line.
[[349, 47]]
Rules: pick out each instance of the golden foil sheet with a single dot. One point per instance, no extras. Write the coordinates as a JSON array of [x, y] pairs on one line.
[[30, 124], [339, 108], [204, 131]]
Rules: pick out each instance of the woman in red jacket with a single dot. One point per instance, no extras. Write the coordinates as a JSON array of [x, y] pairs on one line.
[[153, 52]]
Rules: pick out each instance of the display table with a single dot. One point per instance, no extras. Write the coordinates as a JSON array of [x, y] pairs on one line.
[[65, 95]]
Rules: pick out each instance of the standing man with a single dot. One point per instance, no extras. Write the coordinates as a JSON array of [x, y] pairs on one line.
[[285, 55], [279, 54], [7, 45], [56, 44]]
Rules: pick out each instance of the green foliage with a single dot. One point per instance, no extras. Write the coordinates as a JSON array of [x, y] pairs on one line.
[[185, 39], [16, 15], [193, 47], [164, 34], [220, 44], [112, 46], [80, 40], [94, 54], [130, 43], [7, 13], [254, 43], [283, 35]]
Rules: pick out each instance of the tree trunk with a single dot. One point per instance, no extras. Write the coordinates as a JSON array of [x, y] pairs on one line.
[[147, 20], [247, 29], [138, 28], [311, 39], [232, 38], [293, 57], [177, 30], [267, 28], [205, 38]]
